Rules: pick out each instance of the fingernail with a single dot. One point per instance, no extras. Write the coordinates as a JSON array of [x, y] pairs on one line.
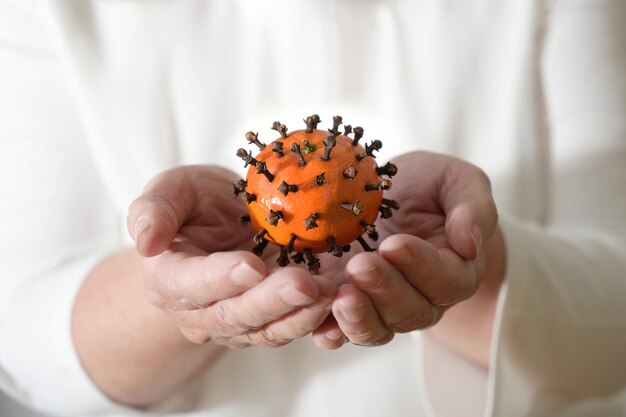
[[477, 236], [334, 334], [361, 269], [367, 276], [354, 314], [244, 275], [290, 295], [399, 255], [141, 226]]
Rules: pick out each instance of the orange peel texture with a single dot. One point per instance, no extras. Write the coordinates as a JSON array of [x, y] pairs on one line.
[[313, 191]]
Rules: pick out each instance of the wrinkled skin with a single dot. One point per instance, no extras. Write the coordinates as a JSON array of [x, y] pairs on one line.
[[430, 256]]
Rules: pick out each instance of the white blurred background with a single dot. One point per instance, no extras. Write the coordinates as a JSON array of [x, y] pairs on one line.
[[9, 408]]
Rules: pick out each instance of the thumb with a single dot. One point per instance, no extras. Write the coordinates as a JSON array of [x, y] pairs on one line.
[[155, 217], [471, 214]]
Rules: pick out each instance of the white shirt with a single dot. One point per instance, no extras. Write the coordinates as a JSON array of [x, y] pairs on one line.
[[98, 96]]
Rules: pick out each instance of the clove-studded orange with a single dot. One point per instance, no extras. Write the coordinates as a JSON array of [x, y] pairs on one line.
[[313, 191]]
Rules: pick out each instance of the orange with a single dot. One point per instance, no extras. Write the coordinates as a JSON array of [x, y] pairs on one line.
[[302, 202]]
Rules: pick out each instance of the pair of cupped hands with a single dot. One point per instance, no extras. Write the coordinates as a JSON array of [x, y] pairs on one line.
[[198, 267]]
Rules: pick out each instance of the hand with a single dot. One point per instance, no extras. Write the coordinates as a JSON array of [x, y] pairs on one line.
[[196, 267], [432, 258]]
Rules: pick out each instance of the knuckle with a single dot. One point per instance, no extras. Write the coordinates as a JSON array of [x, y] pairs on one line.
[[224, 317], [220, 316], [274, 338], [253, 315], [215, 317], [266, 338]]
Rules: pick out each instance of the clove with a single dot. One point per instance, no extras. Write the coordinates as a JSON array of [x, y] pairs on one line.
[[254, 138], [247, 157], [311, 123], [375, 145], [259, 237], [364, 244], [334, 249], [274, 217], [387, 169], [329, 143], [262, 169], [298, 258], [312, 262], [248, 197], [280, 128], [350, 172], [287, 188], [278, 148], [356, 208], [391, 203], [385, 212], [370, 230], [381, 186], [337, 120], [239, 187], [295, 148], [260, 247], [358, 134], [310, 222], [283, 259]]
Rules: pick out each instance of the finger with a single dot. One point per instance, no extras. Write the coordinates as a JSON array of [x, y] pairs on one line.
[[179, 197], [358, 318], [184, 278], [283, 291], [471, 214], [442, 276], [155, 217], [298, 323], [328, 335], [400, 306]]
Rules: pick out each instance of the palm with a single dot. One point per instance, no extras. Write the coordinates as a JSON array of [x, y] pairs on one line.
[[212, 225], [417, 189]]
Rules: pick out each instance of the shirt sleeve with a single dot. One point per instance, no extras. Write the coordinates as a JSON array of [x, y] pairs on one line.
[[56, 222], [560, 335]]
